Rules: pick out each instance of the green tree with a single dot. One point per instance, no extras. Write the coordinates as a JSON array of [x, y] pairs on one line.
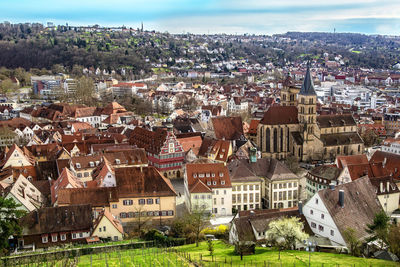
[[393, 239], [379, 229], [353, 243], [7, 86], [9, 223], [285, 232]]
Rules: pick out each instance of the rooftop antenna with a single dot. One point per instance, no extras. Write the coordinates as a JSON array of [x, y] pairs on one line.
[[142, 26], [334, 30]]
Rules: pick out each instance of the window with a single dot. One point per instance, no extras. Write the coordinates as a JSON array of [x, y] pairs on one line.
[[322, 216], [73, 236], [157, 201], [127, 202], [63, 237], [86, 174], [209, 183], [215, 201], [114, 206], [313, 225], [244, 187], [332, 233], [150, 201], [80, 235], [222, 182], [257, 187], [222, 201], [251, 187], [214, 182], [233, 198], [104, 228], [122, 215], [221, 174], [311, 212], [142, 201], [45, 239], [79, 175], [316, 201], [100, 230], [54, 238], [320, 228]]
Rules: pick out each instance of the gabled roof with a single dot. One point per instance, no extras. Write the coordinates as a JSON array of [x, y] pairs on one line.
[[214, 175], [307, 88], [95, 196], [265, 167], [66, 178], [337, 139], [57, 219], [360, 205], [276, 115], [228, 128], [390, 161], [142, 182], [344, 161], [106, 215], [200, 187], [336, 120]]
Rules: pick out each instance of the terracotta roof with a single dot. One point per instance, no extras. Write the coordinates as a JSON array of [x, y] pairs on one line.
[[200, 187], [80, 126], [142, 182], [114, 221], [57, 219], [276, 115], [325, 121], [66, 178], [228, 128], [214, 175], [384, 185], [193, 143], [344, 161], [390, 161], [86, 162], [360, 205], [253, 126], [83, 112], [113, 108], [136, 156], [96, 197], [218, 148], [151, 141]]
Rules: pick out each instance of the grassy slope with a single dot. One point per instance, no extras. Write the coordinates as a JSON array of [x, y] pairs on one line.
[[289, 258]]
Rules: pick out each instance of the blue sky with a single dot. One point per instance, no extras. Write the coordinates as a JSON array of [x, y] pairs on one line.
[[215, 16]]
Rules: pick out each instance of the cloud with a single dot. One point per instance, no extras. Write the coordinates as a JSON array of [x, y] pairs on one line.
[[215, 16]]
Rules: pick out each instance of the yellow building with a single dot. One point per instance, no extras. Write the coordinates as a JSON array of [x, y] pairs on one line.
[[107, 226]]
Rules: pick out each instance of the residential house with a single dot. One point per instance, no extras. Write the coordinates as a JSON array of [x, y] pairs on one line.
[[67, 179], [208, 181], [217, 150], [163, 150], [17, 157], [247, 187], [106, 226], [321, 177], [387, 192], [83, 166], [56, 226], [25, 194], [352, 205]]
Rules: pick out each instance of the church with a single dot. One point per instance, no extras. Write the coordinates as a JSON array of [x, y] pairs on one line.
[[294, 128]]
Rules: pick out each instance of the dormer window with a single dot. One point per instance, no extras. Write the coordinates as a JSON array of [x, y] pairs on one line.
[[214, 183], [213, 175], [195, 175], [97, 163], [207, 175], [117, 161], [78, 165], [208, 183], [221, 174], [222, 182], [91, 164], [201, 175]]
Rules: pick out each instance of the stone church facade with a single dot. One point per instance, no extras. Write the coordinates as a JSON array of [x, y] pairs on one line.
[[294, 128]]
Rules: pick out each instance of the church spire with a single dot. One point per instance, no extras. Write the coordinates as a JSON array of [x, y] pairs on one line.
[[307, 88]]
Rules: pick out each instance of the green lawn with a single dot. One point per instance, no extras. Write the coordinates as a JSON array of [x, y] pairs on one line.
[[225, 253]]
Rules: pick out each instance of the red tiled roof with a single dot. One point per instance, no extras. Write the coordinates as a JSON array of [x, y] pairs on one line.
[[253, 126], [214, 175], [228, 128], [276, 115], [344, 161]]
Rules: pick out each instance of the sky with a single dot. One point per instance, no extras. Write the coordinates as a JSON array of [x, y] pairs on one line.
[[214, 16]]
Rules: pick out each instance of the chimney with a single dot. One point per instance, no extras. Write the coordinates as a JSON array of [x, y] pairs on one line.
[[252, 213], [384, 162], [381, 187], [301, 207], [388, 186], [341, 198], [332, 186]]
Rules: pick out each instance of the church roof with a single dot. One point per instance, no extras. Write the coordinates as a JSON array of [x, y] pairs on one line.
[[307, 88], [278, 115]]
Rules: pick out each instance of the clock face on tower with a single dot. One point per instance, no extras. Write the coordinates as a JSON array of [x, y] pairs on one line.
[[171, 148]]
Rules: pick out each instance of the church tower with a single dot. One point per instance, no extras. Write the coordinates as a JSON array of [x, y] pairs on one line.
[[288, 92], [307, 112]]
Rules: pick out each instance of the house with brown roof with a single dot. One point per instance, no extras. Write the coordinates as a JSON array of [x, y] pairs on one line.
[[208, 187], [163, 150], [251, 227], [56, 226], [83, 166], [143, 193], [108, 227], [17, 157], [321, 177], [67, 179], [352, 205], [387, 192], [217, 150]]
